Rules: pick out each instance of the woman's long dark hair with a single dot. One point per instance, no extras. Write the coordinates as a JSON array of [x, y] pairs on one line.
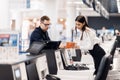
[[81, 19]]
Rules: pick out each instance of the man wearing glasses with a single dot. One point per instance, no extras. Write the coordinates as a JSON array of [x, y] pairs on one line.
[[40, 33]]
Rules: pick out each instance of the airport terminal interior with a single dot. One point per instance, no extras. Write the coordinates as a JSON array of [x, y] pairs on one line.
[[20, 61]]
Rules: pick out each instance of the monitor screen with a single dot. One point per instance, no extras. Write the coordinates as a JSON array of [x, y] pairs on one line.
[[36, 47]]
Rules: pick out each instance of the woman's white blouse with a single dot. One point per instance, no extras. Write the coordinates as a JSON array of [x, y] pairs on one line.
[[88, 41]]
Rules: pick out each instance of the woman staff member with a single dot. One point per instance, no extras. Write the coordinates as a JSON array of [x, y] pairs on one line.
[[88, 41]]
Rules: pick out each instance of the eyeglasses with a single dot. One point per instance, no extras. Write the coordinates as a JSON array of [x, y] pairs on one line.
[[47, 24]]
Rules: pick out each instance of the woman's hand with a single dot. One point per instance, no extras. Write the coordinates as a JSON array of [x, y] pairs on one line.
[[77, 47], [62, 45]]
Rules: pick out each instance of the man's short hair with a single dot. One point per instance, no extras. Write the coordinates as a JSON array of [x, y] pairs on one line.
[[44, 18]]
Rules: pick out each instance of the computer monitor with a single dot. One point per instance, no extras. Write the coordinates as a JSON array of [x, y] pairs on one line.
[[68, 56], [37, 47], [78, 55], [58, 59], [64, 60]]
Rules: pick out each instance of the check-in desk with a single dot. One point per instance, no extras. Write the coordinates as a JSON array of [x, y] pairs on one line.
[[71, 74], [113, 74], [14, 71], [24, 68], [51, 60]]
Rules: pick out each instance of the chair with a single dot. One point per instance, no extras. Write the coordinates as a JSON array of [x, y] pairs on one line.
[[118, 39], [112, 52], [103, 68]]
